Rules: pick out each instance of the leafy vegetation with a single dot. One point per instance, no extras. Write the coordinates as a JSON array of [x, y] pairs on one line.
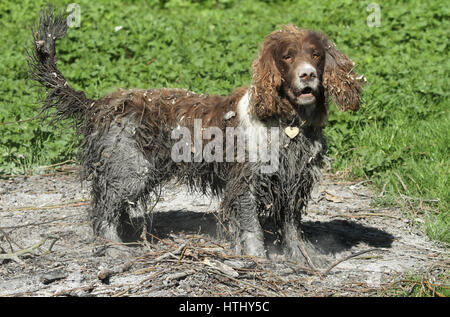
[[417, 286], [399, 139]]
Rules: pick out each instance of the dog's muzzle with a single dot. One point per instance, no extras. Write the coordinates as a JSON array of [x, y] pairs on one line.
[[306, 84]]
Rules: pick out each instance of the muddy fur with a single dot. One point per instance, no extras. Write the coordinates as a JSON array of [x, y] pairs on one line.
[[127, 143], [277, 199]]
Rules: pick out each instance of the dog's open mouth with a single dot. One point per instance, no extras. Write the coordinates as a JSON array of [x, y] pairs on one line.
[[306, 93], [304, 96]]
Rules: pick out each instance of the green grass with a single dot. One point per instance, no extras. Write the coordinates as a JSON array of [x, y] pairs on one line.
[[413, 285], [399, 139]]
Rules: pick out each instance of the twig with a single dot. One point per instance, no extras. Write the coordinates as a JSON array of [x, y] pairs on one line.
[[15, 255], [432, 289], [51, 245], [105, 273], [272, 284], [161, 240], [382, 191], [362, 215], [347, 258], [177, 276], [302, 268], [418, 282], [183, 251], [144, 270], [37, 223], [164, 256], [217, 265], [121, 293], [265, 291], [75, 203], [401, 181], [172, 254], [68, 291], [306, 255], [10, 241], [420, 199], [56, 164]]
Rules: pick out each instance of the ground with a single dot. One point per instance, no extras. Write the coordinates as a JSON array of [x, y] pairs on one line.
[[47, 247]]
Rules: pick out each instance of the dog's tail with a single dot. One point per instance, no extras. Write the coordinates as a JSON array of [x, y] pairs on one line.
[[67, 102]]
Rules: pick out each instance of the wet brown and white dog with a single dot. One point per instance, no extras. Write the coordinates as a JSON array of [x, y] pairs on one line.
[[131, 143]]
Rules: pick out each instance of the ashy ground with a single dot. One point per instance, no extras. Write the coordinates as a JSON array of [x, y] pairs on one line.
[[47, 248]]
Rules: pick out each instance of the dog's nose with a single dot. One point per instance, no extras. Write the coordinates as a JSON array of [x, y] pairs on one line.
[[307, 72]]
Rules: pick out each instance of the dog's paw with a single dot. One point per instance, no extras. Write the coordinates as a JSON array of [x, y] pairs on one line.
[[306, 253], [251, 243]]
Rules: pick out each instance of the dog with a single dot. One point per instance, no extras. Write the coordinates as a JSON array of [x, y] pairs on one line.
[[135, 141]]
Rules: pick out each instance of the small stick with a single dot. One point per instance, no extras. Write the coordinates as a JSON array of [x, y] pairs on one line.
[[347, 258], [433, 290], [306, 255], [75, 203], [183, 251], [37, 223], [68, 291], [161, 240], [172, 254], [15, 255], [265, 291], [10, 241], [178, 276], [121, 293], [362, 215], [382, 191], [401, 181], [56, 164], [420, 199]]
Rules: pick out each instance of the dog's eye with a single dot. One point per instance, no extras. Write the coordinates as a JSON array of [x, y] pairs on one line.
[[315, 56], [287, 58]]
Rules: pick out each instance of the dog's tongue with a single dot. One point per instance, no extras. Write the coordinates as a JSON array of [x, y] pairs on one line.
[[306, 92]]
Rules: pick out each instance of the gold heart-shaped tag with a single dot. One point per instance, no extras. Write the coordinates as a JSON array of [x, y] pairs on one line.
[[292, 131]]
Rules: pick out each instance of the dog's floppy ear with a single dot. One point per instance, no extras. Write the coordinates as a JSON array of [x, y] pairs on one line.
[[266, 80], [340, 81]]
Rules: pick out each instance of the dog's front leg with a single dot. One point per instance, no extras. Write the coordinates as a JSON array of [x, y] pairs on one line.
[[297, 247], [293, 240], [251, 237], [241, 222]]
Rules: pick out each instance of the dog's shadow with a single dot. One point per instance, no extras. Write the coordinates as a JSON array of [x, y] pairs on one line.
[[329, 237]]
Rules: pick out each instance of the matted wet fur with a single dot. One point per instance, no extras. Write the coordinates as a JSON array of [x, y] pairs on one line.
[[127, 144]]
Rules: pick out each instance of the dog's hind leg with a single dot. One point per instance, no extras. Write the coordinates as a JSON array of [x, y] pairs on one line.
[[120, 184]]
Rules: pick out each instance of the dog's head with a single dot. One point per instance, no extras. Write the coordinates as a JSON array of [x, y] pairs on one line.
[[303, 68]]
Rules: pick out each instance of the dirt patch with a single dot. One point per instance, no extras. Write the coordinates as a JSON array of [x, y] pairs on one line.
[[47, 247]]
